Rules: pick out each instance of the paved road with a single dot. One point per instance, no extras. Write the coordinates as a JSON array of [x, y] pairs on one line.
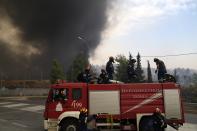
[[21, 115], [190, 125], [24, 114]]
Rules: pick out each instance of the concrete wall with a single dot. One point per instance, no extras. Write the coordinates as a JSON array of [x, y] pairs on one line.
[[20, 91]]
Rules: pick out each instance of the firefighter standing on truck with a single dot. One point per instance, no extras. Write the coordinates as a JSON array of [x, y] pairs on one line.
[[110, 67], [161, 69]]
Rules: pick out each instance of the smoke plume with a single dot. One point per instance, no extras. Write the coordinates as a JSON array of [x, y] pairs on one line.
[[34, 32]]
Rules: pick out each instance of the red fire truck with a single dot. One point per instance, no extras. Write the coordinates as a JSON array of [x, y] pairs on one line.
[[117, 105]]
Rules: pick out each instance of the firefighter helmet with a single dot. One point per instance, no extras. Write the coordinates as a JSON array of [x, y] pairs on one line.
[[111, 58], [83, 110], [157, 110], [103, 70], [156, 59]]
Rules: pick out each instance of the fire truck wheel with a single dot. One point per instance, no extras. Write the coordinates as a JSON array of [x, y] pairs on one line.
[[146, 124], [69, 125]]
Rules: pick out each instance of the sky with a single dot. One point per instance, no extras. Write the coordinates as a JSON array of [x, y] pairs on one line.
[[152, 28]]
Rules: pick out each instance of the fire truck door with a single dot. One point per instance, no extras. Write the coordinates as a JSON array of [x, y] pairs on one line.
[[79, 98], [57, 101]]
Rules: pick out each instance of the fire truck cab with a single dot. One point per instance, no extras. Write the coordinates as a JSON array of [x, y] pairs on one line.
[[121, 106]]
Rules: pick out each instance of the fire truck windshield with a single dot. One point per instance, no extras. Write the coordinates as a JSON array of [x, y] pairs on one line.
[[60, 94]]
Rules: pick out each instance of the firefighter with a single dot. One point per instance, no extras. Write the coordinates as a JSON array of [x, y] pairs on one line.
[[56, 94], [131, 71], [62, 94], [85, 76], [159, 121], [103, 77], [59, 94], [110, 67], [161, 69], [82, 119]]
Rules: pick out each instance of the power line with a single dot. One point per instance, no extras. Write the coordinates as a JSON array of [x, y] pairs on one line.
[[194, 53]]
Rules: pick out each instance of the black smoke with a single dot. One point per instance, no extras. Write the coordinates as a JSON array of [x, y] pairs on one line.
[[52, 27]]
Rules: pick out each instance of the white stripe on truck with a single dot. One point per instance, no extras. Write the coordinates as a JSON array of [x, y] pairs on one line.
[[146, 101]]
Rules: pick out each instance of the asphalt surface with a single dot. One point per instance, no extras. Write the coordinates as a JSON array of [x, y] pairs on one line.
[[21, 114], [26, 114]]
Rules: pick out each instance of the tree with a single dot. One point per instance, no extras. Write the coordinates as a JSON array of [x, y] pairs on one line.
[[121, 69], [194, 79], [131, 69], [149, 74], [138, 70], [78, 65], [56, 72], [190, 92], [130, 56]]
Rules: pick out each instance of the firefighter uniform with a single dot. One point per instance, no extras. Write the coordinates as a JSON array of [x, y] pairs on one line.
[[85, 76], [103, 77], [110, 68], [161, 69], [82, 119], [159, 122]]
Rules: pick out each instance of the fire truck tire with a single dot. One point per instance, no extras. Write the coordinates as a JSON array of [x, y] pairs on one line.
[[146, 124], [69, 125]]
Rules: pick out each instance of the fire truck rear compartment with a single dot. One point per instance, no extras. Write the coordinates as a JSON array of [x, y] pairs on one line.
[[172, 104]]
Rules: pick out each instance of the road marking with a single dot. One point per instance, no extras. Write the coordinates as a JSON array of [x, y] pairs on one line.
[[15, 105], [21, 98], [2, 120], [18, 124], [5, 103], [3, 113], [20, 106], [39, 112], [33, 108]]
